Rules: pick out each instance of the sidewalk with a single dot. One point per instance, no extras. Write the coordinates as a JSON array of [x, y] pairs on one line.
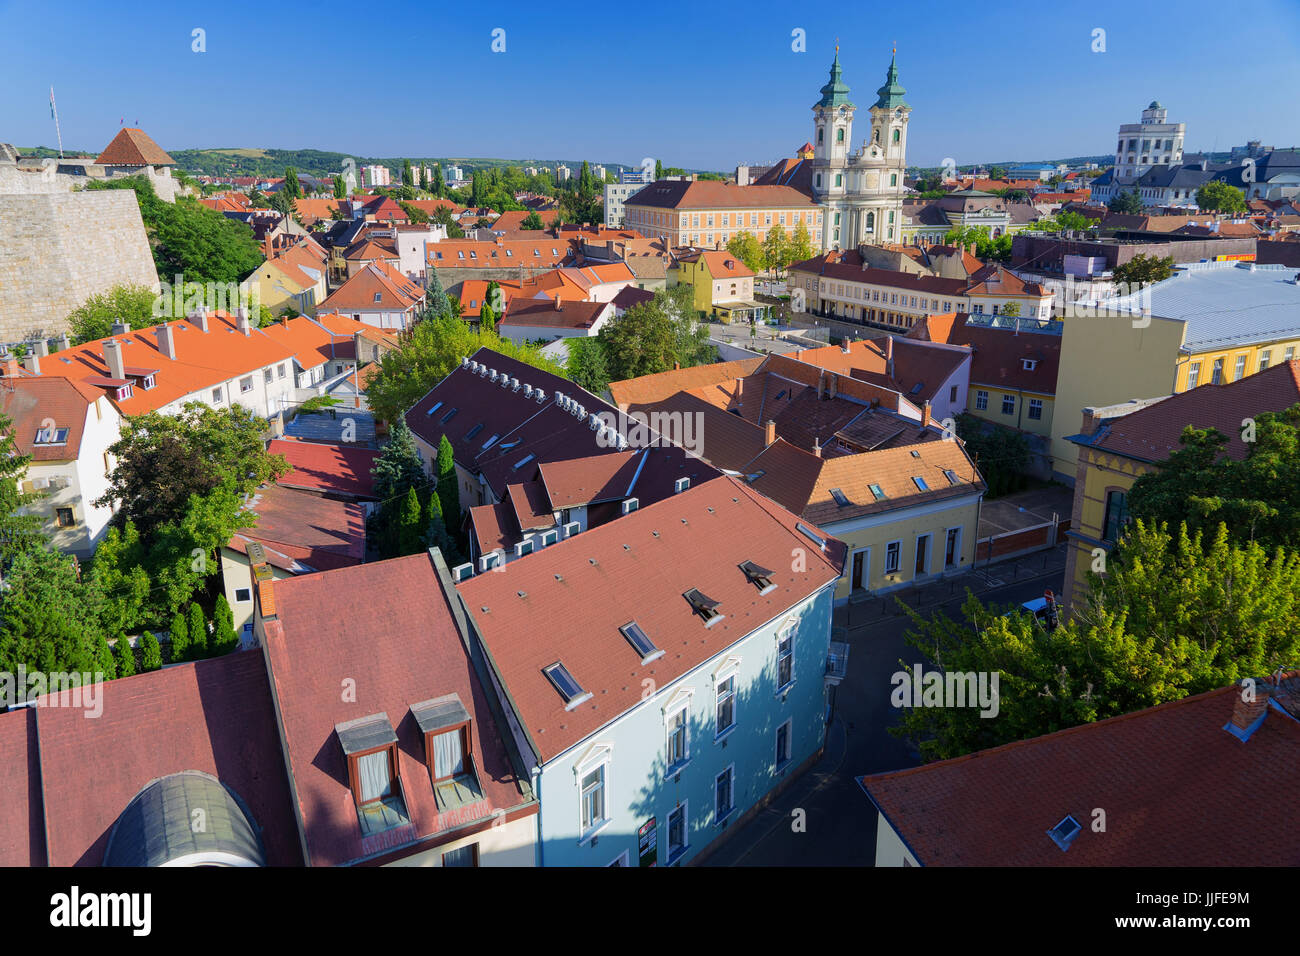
[[871, 610]]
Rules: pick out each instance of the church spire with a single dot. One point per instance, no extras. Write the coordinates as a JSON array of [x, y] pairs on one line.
[[891, 94], [836, 92]]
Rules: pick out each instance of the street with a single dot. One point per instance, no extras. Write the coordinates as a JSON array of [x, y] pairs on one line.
[[839, 822]]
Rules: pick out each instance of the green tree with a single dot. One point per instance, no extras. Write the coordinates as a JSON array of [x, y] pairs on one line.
[[398, 471], [1256, 497], [180, 634], [776, 249], [150, 653], [439, 186], [198, 633], [1218, 196], [410, 527], [487, 319], [224, 638], [744, 246], [94, 318], [1142, 269], [123, 657], [18, 530], [340, 188], [652, 336], [1010, 309], [997, 172], [1127, 202], [408, 178], [531, 221], [1074, 221], [586, 366], [801, 246], [448, 487], [659, 170], [292, 188], [1002, 454], [119, 570], [48, 620], [105, 664]]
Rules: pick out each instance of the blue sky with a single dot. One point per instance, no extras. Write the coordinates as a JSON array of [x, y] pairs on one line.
[[693, 84]]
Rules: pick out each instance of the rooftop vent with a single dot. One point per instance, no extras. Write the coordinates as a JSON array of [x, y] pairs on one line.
[[680, 485], [528, 391], [630, 505], [540, 396], [462, 572]]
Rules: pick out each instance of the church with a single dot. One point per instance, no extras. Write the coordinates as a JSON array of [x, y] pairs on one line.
[[861, 191]]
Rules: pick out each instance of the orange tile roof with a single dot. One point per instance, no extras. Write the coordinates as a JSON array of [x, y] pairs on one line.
[[655, 388], [711, 194], [31, 402], [133, 147], [357, 294], [544, 253]]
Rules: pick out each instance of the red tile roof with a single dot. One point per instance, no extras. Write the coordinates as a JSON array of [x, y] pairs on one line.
[[653, 388], [31, 402], [998, 355], [1178, 790], [22, 821], [396, 292], [367, 624], [214, 716], [540, 253], [318, 532], [338, 469], [711, 194], [553, 313], [693, 540], [919, 370], [133, 147]]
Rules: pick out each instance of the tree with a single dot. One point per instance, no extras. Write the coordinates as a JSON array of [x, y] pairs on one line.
[[428, 352], [224, 638], [1074, 221], [1010, 309], [397, 471], [198, 632], [123, 657], [1256, 497], [1127, 202], [410, 527], [18, 531], [291, 188], [439, 185], [119, 570], [776, 249], [150, 653], [94, 318], [801, 247], [48, 619], [180, 634], [1002, 454], [105, 664], [340, 188], [408, 178], [997, 172], [448, 487], [1142, 269], [586, 366], [652, 336], [486, 318], [659, 170], [744, 246], [531, 221], [1218, 196]]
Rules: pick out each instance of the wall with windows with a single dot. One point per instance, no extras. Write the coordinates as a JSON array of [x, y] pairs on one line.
[[1100, 493], [623, 775], [1030, 411], [1199, 369], [511, 843], [881, 542]]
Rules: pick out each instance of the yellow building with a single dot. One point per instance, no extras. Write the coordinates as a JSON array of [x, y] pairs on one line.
[[708, 214], [1120, 443], [1211, 323], [724, 286]]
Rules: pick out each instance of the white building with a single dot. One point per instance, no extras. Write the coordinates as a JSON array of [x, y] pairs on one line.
[[375, 176], [616, 195], [563, 173], [1152, 142]]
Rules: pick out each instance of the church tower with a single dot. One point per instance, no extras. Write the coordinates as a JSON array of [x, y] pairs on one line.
[[889, 118]]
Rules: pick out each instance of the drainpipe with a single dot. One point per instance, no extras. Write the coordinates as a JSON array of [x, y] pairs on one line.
[[537, 795]]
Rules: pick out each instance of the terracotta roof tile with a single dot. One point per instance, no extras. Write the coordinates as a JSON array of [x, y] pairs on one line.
[[133, 147]]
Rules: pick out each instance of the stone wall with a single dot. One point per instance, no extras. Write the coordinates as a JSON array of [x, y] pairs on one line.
[[59, 249]]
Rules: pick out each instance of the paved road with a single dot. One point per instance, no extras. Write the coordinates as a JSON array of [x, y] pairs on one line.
[[840, 820]]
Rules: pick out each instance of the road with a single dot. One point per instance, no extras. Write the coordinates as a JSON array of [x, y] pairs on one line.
[[840, 822]]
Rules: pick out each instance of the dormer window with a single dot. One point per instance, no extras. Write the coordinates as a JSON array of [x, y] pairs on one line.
[[147, 382], [123, 393], [370, 748], [1029, 364], [760, 577], [448, 748], [704, 606]]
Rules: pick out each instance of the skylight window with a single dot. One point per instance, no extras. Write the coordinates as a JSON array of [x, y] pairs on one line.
[[951, 476], [564, 682], [640, 642], [52, 436], [920, 483], [474, 431], [811, 535], [507, 445], [449, 416], [704, 606], [758, 576], [490, 442], [1063, 833], [840, 500], [436, 406], [877, 492], [523, 461]]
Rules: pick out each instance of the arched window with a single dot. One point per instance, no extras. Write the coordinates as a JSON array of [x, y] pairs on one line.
[[821, 137], [839, 179], [871, 222], [893, 179], [896, 135], [877, 137], [819, 180], [839, 135]]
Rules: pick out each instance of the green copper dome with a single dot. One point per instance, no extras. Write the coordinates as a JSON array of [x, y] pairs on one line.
[[835, 93], [891, 94]]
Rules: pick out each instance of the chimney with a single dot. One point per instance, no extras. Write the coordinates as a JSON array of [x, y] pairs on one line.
[[559, 302], [832, 384], [42, 347], [166, 341], [889, 357], [113, 359], [769, 433], [1247, 715], [200, 317], [241, 321], [11, 368], [817, 447], [63, 343], [925, 414], [119, 328], [32, 362], [268, 250]]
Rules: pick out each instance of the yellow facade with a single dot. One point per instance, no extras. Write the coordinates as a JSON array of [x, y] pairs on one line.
[[906, 529], [1103, 473], [1198, 368], [696, 275], [1022, 408]]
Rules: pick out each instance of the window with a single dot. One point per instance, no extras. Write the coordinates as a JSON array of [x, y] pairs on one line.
[[893, 177], [1216, 377], [1193, 374], [677, 832], [243, 595], [839, 179], [896, 135], [952, 394], [64, 518], [1008, 404], [952, 547], [267, 376], [1116, 515], [876, 492], [379, 295], [785, 658], [593, 799], [1036, 409], [678, 744], [839, 135], [703, 605], [783, 745], [1289, 354], [52, 436], [1263, 360], [449, 750], [216, 396], [725, 705], [246, 384], [922, 553], [564, 682], [279, 370], [722, 796], [465, 856], [640, 642], [760, 577], [374, 773], [893, 551], [920, 483]]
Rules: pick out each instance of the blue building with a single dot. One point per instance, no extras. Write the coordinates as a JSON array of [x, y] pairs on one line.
[[664, 674]]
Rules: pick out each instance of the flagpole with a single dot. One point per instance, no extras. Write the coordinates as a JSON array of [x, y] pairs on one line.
[[54, 111]]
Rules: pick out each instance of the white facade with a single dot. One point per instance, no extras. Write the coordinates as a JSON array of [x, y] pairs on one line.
[[376, 175], [1152, 142]]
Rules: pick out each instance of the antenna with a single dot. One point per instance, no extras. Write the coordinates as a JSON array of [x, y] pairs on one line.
[[54, 112]]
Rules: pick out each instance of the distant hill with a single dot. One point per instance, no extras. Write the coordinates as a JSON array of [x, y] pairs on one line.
[[321, 163]]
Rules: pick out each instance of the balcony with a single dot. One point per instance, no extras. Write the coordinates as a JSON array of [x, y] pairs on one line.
[[837, 662]]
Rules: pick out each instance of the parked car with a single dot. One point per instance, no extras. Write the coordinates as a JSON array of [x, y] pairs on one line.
[[1044, 609]]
